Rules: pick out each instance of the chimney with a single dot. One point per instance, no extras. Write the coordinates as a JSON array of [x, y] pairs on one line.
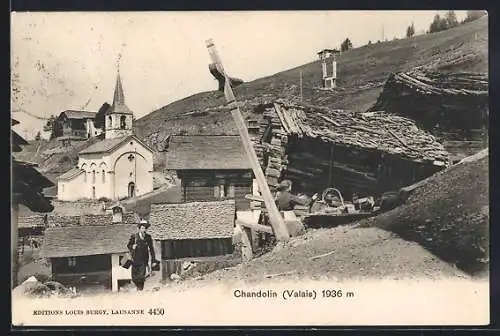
[[117, 214]]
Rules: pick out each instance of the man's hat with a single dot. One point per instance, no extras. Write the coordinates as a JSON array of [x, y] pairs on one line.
[[284, 185], [143, 223]]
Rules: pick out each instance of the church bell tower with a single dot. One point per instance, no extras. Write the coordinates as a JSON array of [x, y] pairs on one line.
[[119, 118]]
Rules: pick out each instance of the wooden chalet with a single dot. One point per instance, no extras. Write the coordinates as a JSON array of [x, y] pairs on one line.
[[195, 231], [87, 250], [73, 125], [211, 168], [365, 153]]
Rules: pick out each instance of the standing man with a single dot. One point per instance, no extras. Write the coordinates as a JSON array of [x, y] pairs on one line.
[[140, 246]]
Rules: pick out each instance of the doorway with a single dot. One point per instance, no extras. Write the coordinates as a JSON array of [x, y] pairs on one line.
[[131, 189]]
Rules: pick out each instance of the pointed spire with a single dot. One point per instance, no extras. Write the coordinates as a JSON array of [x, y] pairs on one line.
[[119, 105], [119, 96]]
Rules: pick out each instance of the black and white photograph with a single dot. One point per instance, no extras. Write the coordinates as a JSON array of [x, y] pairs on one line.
[[250, 168]]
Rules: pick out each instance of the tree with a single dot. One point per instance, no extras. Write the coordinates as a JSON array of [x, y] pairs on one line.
[[451, 19], [438, 24], [346, 45], [474, 15], [38, 136], [410, 31], [370, 42]]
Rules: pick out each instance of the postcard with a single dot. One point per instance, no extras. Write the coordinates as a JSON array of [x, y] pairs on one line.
[[258, 168]]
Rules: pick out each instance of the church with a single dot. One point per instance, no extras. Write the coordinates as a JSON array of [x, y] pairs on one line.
[[117, 167]]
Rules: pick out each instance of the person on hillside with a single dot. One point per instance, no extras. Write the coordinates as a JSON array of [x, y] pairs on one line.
[[140, 246], [285, 200]]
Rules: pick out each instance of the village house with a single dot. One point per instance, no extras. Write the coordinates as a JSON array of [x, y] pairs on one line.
[[75, 125], [87, 250], [364, 153], [212, 167], [198, 232], [119, 166]]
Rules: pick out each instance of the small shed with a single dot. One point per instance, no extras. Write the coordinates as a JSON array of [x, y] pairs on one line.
[[88, 255], [201, 230], [211, 167]]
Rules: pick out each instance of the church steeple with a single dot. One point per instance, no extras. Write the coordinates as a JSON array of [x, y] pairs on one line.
[[119, 105], [119, 117]]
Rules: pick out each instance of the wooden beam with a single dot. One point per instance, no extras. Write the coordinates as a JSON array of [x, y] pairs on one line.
[[255, 226], [277, 222], [246, 244]]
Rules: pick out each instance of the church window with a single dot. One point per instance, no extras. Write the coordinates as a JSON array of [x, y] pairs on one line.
[[103, 176], [123, 123], [93, 176], [130, 157], [93, 192], [85, 177]]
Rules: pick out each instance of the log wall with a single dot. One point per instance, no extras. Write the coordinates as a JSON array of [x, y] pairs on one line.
[[211, 185]]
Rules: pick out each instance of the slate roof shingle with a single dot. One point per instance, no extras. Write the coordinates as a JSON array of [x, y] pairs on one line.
[[193, 220], [86, 240], [206, 152]]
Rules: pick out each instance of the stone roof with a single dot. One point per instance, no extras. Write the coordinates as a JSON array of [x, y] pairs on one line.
[[90, 220], [86, 240], [206, 152], [193, 220], [31, 221], [72, 114]]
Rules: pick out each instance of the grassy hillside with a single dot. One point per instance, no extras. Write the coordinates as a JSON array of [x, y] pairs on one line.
[[361, 75]]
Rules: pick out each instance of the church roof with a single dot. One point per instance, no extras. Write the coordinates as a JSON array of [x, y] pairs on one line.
[[108, 145], [70, 174], [119, 105]]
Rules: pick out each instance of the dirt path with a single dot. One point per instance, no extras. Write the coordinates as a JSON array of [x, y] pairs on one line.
[[358, 253]]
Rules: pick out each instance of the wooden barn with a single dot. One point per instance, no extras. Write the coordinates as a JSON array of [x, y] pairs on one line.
[[211, 168], [194, 231], [364, 153], [86, 250]]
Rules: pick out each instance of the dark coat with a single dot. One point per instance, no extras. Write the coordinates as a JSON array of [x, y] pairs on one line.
[[286, 201], [144, 246]]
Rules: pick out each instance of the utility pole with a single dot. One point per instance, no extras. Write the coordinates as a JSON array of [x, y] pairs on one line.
[[277, 222]]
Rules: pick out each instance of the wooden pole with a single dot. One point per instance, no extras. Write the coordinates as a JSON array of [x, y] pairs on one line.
[[277, 222]]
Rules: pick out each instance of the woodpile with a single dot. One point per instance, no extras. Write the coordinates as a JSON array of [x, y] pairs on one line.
[[318, 146], [437, 101]]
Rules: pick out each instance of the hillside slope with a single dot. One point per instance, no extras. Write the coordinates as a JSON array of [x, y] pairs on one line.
[[448, 215], [361, 75]]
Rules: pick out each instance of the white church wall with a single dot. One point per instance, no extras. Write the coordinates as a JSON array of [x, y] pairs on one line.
[[72, 190]]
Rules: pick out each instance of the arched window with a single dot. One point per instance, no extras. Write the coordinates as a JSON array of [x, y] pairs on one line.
[[103, 176], [93, 176], [123, 122], [93, 192]]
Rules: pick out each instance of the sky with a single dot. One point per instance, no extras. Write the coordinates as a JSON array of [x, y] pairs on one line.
[[69, 60]]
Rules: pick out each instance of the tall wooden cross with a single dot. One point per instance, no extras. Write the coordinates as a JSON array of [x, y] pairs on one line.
[[277, 222]]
